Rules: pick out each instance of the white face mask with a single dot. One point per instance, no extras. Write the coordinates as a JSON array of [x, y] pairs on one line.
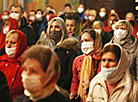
[[5, 30], [32, 18], [5, 17], [38, 16], [99, 31], [91, 18], [108, 72], [87, 47], [47, 17], [10, 51], [31, 83], [80, 10], [102, 14], [120, 34], [15, 16]]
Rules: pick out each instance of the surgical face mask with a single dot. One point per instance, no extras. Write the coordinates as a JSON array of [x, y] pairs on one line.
[[47, 17], [87, 47], [38, 16], [55, 35], [99, 31], [5, 30], [31, 83], [15, 16], [5, 17], [80, 10], [91, 18], [10, 51], [32, 18], [110, 21], [108, 72], [102, 14], [120, 34]]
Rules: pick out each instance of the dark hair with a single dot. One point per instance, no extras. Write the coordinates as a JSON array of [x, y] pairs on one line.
[[114, 49], [40, 53], [113, 15], [72, 15], [91, 32], [132, 22], [49, 6], [21, 8], [39, 10], [67, 5]]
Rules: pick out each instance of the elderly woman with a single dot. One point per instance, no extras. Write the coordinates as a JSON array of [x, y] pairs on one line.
[[85, 67], [123, 36], [16, 44], [41, 71], [113, 83]]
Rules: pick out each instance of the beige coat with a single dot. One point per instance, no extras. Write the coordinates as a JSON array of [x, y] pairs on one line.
[[100, 93]]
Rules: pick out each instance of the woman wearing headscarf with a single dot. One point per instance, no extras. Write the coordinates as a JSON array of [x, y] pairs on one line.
[[124, 37], [15, 45], [85, 67], [9, 24], [114, 83], [55, 33], [41, 71], [56, 37]]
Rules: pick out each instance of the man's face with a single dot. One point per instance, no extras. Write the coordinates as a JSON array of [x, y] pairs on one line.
[[17, 10]]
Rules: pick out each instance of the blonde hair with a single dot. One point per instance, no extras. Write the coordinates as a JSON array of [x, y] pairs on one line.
[[93, 12], [10, 33]]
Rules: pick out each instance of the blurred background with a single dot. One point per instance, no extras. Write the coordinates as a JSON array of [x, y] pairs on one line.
[[122, 6]]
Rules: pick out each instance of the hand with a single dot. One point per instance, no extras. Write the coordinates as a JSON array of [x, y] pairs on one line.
[[72, 95]]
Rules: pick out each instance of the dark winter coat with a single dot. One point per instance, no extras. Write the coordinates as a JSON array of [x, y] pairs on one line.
[[28, 30], [54, 97]]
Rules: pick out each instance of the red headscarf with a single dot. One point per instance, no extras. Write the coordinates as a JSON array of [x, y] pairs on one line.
[[12, 26], [21, 44]]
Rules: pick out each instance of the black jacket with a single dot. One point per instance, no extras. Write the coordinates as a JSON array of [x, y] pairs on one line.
[[67, 52], [4, 89], [28, 30], [54, 97]]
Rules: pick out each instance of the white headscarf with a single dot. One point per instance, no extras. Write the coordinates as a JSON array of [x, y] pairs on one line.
[[63, 28], [121, 69]]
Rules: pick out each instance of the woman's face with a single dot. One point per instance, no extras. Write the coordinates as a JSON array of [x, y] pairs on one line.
[[71, 26], [86, 37], [32, 66], [55, 26], [123, 27], [11, 41], [109, 60]]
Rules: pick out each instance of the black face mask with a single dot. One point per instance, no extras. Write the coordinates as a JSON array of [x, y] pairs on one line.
[[55, 35]]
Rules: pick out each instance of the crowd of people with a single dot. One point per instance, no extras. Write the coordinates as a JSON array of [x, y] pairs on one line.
[[85, 55]]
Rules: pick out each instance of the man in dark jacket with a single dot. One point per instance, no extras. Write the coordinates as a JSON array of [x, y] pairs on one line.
[[17, 13]]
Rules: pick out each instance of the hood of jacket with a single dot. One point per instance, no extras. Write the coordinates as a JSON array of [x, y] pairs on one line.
[[71, 43]]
